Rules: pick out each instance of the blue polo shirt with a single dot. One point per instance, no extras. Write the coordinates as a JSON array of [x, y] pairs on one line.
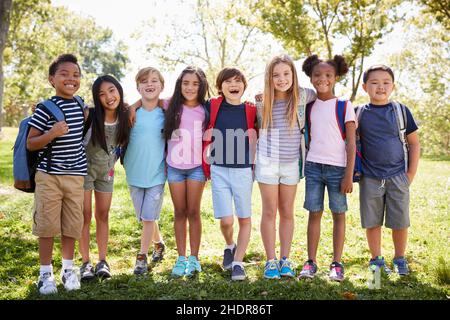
[[381, 147]]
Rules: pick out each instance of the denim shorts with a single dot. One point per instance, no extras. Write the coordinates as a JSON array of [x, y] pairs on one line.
[[147, 202], [273, 172], [317, 177], [180, 175], [230, 185]]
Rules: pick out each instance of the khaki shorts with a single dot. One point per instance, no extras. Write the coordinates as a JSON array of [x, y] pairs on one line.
[[58, 203]]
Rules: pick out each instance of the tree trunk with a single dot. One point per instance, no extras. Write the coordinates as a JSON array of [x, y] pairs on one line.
[[5, 13]]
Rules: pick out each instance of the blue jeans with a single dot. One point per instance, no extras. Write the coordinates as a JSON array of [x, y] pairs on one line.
[[317, 177]]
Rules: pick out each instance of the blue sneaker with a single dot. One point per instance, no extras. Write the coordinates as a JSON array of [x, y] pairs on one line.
[[180, 267], [380, 263], [286, 268], [271, 270], [193, 266], [401, 266]]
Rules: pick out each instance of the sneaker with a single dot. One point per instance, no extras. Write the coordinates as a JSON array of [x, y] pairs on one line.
[[228, 258], [271, 270], [380, 263], [158, 251], [46, 284], [193, 266], [180, 267], [309, 270], [87, 271], [286, 268], [238, 273], [401, 266], [336, 272], [141, 266], [69, 278], [102, 270]]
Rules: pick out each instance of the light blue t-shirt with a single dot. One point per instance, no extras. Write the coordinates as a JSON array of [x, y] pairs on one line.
[[144, 158]]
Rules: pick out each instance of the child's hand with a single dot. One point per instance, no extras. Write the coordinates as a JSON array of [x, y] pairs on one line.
[[59, 129], [258, 97], [33, 108], [347, 184], [410, 177], [131, 116]]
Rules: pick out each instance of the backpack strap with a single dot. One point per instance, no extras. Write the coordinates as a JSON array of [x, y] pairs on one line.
[[215, 105], [250, 115], [307, 129], [54, 110], [400, 116], [58, 114], [341, 109]]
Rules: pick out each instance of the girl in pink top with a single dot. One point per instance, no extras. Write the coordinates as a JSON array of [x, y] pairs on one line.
[[183, 131], [329, 161]]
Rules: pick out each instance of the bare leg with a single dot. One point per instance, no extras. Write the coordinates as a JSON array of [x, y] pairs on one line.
[[269, 196], [85, 233], [226, 226], [245, 228], [147, 233], [194, 198], [400, 238], [313, 234], [45, 250], [286, 209], [102, 206], [178, 193], [374, 241], [338, 235]]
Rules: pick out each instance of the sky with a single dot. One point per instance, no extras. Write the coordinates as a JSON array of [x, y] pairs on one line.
[[126, 17]]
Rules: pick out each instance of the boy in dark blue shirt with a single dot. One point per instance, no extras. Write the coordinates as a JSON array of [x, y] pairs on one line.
[[387, 170]]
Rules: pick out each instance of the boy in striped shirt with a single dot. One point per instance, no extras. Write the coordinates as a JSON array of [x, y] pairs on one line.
[[59, 177]]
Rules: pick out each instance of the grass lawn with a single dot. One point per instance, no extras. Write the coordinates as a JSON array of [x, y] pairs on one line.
[[427, 250]]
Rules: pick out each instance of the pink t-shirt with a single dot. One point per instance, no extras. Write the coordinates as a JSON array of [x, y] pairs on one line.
[[327, 145], [184, 150]]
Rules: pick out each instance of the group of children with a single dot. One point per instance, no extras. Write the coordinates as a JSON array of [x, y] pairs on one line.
[[291, 133]]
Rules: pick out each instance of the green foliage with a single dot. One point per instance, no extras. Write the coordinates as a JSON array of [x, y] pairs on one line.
[[423, 82], [440, 9], [306, 27], [38, 34], [427, 248]]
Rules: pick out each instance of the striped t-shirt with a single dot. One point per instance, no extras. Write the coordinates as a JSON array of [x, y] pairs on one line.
[[68, 154], [280, 142]]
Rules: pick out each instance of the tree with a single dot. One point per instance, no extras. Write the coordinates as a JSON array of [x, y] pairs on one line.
[[423, 81], [315, 26], [440, 9], [211, 39], [5, 12], [37, 37]]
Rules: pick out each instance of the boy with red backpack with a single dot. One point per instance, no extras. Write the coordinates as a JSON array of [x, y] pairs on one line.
[[228, 155]]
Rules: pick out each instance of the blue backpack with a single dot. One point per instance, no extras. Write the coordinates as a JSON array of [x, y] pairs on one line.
[[340, 110], [25, 162]]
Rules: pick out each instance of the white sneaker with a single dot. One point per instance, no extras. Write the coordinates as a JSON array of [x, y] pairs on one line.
[[46, 284], [70, 279]]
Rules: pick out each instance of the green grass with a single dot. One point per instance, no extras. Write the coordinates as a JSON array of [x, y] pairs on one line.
[[427, 249]]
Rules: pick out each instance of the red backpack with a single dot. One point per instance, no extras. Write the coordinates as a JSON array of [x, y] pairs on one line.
[[250, 113]]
